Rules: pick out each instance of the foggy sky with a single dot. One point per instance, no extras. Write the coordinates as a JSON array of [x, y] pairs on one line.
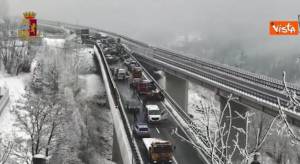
[[163, 21]]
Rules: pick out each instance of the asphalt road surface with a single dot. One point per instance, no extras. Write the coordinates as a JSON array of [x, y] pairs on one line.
[[184, 153]]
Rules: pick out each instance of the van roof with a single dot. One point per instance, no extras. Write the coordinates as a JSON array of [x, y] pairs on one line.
[[121, 70], [152, 107]]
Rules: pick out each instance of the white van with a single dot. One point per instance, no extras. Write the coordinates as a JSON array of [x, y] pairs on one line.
[[121, 74], [153, 113]]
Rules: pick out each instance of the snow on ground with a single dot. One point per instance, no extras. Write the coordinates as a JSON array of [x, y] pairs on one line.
[[54, 42], [86, 61], [71, 37], [93, 85], [84, 55], [200, 95], [99, 122], [16, 86]]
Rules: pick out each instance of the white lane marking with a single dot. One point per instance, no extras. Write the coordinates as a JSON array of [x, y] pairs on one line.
[[174, 160], [157, 130]]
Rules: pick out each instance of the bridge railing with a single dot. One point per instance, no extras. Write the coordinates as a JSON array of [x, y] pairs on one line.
[[133, 144], [257, 78]]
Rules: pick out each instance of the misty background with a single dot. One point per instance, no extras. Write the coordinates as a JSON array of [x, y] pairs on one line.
[[233, 32]]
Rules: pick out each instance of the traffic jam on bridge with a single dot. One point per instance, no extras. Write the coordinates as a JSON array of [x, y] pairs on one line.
[[151, 124]]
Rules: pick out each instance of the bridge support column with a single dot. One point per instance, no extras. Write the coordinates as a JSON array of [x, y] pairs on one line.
[[116, 154], [236, 122], [178, 90]]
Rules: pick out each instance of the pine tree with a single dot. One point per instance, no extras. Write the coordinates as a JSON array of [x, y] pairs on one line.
[[37, 79]]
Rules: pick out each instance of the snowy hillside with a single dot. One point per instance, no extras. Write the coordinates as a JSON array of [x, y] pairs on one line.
[[89, 121], [16, 86]]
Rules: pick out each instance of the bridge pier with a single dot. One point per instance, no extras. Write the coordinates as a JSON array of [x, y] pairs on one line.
[[116, 153], [236, 122], [178, 89]]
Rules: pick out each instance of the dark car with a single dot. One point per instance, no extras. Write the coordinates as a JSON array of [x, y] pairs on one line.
[[111, 58], [141, 130], [133, 106]]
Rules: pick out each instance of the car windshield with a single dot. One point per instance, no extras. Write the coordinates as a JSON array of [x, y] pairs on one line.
[[122, 71], [154, 112], [163, 149], [144, 129]]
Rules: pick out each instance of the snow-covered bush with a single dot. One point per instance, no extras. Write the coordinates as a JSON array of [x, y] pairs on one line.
[[15, 55]]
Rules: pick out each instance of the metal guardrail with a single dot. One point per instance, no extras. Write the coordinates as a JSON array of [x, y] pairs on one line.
[[232, 84], [136, 154], [250, 76], [191, 62], [4, 98]]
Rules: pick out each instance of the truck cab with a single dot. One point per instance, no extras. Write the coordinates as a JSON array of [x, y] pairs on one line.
[[133, 82], [159, 151], [153, 113], [133, 106], [121, 74], [145, 86], [136, 72]]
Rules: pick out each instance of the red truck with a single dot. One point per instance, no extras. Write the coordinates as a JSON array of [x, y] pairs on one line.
[[147, 89], [144, 86]]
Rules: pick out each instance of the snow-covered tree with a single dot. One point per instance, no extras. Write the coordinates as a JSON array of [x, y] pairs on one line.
[[14, 53], [216, 134], [6, 149], [37, 78], [69, 69], [39, 116]]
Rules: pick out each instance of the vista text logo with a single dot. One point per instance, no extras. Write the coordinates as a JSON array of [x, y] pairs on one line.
[[284, 28]]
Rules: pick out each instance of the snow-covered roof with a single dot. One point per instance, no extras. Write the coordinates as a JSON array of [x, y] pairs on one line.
[[152, 107], [148, 141]]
